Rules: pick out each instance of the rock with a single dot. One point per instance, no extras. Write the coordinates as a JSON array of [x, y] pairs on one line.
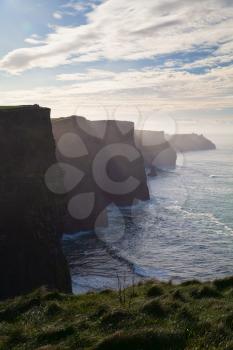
[[153, 172], [112, 167], [30, 251], [190, 142], [156, 151]]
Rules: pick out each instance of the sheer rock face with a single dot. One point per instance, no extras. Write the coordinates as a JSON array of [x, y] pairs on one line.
[[110, 163], [156, 150], [30, 251], [191, 142]]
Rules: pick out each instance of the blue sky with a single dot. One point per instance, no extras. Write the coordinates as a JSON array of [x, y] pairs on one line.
[[171, 56]]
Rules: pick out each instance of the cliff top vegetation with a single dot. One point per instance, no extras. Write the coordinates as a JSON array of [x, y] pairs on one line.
[[150, 315]]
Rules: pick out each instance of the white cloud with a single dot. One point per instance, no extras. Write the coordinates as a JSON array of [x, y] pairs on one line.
[[78, 6], [35, 36], [57, 15], [149, 88], [93, 74], [168, 84], [132, 30], [33, 41]]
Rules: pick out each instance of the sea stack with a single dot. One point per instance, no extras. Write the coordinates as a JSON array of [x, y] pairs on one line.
[[30, 251]]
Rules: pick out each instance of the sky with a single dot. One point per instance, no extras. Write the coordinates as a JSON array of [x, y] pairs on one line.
[[161, 63]]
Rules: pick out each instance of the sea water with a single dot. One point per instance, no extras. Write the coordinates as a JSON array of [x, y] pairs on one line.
[[184, 232]]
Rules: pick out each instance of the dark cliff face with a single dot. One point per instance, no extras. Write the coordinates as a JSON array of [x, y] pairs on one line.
[[113, 170], [156, 151], [191, 142], [30, 251]]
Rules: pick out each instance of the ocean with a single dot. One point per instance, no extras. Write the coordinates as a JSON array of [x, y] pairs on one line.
[[184, 232]]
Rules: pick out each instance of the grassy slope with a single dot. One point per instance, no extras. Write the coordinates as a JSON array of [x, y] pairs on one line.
[[148, 317]]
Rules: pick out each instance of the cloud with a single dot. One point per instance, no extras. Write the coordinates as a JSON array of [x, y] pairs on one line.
[[78, 6], [148, 88], [129, 30], [148, 31], [34, 39], [168, 83], [92, 74], [57, 15]]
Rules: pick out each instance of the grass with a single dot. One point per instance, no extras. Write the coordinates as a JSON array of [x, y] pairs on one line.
[[14, 107], [155, 291], [8, 107], [154, 315]]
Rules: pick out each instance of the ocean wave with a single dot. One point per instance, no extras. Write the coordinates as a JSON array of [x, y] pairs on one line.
[[114, 252], [213, 176], [149, 272], [74, 236], [146, 272], [209, 216]]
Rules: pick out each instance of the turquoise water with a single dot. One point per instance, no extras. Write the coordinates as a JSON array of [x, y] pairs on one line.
[[185, 231]]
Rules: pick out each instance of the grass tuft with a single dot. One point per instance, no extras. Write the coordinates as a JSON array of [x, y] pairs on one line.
[[154, 291], [224, 283], [115, 317], [55, 334], [17, 308], [190, 283], [53, 309], [53, 296], [154, 308], [144, 340], [229, 321], [205, 292], [177, 295]]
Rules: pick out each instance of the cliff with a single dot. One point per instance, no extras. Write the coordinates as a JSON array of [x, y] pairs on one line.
[[156, 151], [30, 251], [191, 142], [112, 167]]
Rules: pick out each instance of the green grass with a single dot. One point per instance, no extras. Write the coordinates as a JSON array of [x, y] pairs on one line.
[[9, 107], [14, 107], [150, 316]]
